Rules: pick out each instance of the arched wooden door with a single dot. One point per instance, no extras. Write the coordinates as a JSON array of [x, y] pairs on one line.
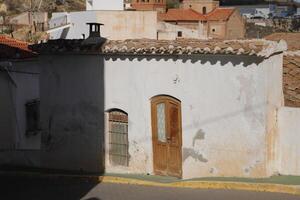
[[166, 136]]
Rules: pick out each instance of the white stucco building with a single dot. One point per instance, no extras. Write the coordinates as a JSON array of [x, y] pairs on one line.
[[117, 25], [184, 108], [104, 4]]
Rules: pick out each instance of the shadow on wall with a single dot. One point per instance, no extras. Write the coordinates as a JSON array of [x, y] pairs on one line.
[[72, 113], [236, 60], [34, 188]]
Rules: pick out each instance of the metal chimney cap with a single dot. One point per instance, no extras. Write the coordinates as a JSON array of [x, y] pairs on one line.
[[94, 23]]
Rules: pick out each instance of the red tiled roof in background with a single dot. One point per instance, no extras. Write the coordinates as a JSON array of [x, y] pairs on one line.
[[220, 14], [5, 40], [181, 15], [11, 48], [192, 15]]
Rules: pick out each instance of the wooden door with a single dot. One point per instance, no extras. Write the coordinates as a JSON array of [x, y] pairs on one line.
[[166, 136]]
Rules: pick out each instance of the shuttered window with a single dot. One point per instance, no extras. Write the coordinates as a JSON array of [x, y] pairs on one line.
[[118, 138]]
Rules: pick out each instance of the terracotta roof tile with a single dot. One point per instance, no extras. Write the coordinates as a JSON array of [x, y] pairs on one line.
[[220, 14], [261, 48], [192, 15], [11, 48], [5, 40], [181, 15]]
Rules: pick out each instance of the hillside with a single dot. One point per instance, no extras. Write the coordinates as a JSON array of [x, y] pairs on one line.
[[17, 6]]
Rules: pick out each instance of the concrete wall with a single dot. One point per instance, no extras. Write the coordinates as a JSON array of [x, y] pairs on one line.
[[118, 25], [288, 142], [104, 4]]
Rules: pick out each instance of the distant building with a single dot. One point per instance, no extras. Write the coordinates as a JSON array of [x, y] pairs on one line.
[[221, 23], [157, 5], [39, 20], [201, 6], [117, 24], [104, 4]]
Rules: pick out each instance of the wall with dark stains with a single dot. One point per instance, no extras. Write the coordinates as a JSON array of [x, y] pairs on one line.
[[72, 112], [229, 106]]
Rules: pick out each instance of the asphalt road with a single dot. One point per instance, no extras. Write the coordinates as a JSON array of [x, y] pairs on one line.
[[16, 188]]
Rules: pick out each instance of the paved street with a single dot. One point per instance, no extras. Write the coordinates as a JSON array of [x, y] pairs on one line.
[[73, 189]]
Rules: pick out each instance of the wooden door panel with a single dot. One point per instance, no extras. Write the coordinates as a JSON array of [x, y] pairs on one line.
[[166, 136], [174, 143]]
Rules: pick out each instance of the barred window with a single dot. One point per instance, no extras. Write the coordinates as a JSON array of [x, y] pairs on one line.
[[118, 138]]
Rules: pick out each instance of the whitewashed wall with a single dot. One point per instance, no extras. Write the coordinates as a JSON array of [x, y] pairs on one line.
[[288, 141], [104, 4], [227, 111]]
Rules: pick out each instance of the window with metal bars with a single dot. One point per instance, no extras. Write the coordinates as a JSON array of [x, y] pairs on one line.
[[118, 138]]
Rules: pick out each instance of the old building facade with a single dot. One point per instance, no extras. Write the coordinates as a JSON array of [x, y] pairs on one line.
[[221, 23], [179, 108]]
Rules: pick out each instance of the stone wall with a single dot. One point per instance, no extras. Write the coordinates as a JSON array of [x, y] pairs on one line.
[[291, 83]]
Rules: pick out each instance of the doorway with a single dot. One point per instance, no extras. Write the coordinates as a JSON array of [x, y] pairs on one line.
[[166, 136]]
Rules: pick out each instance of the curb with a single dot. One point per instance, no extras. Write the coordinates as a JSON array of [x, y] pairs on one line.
[[257, 187], [213, 185]]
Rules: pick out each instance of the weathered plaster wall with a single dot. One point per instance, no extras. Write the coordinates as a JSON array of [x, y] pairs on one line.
[[226, 110], [15, 147], [288, 141], [117, 25], [229, 108], [168, 31], [235, 27], [72, 112]]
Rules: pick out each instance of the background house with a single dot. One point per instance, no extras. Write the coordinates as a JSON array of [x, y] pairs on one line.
[[104, 4], [221, 23], [117, 24], [201, 6], [37, 20]]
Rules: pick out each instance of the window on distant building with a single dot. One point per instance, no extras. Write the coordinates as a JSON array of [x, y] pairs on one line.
[[118, 137], [33, 117], [179, 34], [204, 10]]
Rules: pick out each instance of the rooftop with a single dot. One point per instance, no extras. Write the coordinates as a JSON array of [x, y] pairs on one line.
[[13, 48], [260, 48], [218, 14]]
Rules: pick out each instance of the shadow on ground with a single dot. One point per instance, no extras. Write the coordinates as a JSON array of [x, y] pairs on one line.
[[29, 188]]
